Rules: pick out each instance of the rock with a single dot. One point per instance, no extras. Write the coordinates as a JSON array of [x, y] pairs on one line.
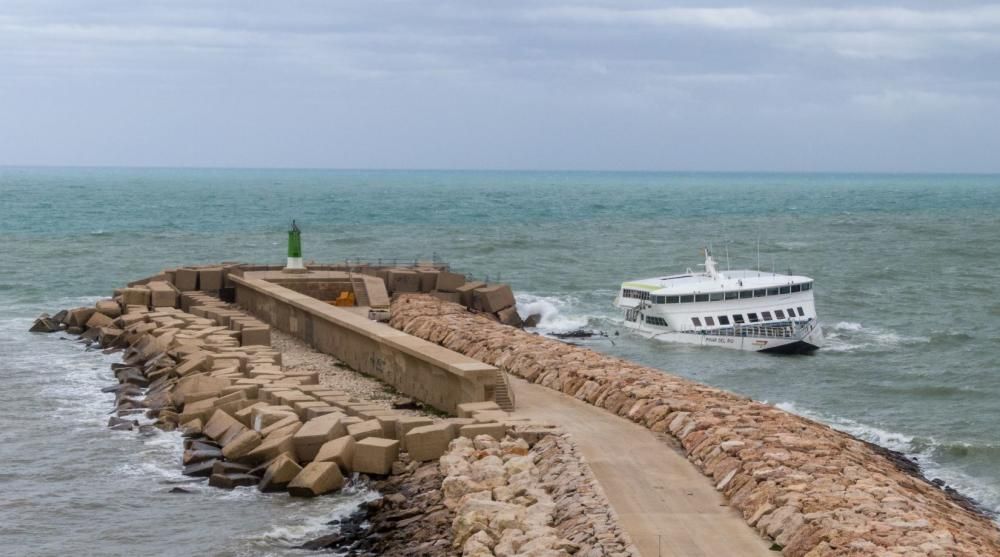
[[532, 320], [510, 317], [44, 324], [200, 469], [315, 479], [374, 455], [231, 481]]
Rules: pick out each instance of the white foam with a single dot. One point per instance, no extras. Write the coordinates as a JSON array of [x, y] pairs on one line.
[[556, 311], [849, 336]]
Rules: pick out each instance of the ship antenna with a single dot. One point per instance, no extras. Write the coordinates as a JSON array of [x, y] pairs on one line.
[[727, 257], [758, 254]]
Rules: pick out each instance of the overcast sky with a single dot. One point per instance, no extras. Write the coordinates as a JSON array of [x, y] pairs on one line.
[[619, 85]]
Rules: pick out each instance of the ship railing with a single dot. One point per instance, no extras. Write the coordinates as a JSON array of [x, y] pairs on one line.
[[786, 329]]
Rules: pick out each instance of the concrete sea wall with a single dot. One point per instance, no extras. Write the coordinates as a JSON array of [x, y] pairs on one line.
[[413, 366], [811, 489]]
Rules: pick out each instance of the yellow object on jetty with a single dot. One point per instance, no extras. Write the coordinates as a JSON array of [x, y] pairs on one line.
[[346, 299]]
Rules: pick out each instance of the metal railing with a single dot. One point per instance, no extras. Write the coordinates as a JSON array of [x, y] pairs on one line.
[[787, 329]]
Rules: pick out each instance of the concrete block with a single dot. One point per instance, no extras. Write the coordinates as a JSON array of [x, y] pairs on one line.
[[272, 448], [109, 308], [429, 442], [288, 420], [457, 423], [255, 336], [162, 295], [201, 409], [449, 282], [467, 409], [465, 292], [315, 479], [492, 299], [138, 296], [186, 279], [210, 279], [318, 411], [390, 423], [242, 444], [497, 431], [98, 320], [279, 473], [364, 430], [405, 423], [78, 317], [231, 481], [219, 423], [375, 455], [428, 279], [313, 435], [340, 450], [453, 297], [403, 280]]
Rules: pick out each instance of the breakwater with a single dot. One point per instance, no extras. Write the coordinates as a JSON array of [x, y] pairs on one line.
[[808, 488], [483, 483]]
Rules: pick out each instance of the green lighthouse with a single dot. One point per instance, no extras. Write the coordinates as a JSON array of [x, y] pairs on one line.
[[294, 250]]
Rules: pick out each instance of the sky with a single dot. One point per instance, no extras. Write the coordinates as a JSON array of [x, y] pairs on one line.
[[770, 85]]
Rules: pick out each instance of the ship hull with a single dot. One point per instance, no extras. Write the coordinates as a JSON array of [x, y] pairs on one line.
[[803, 344]]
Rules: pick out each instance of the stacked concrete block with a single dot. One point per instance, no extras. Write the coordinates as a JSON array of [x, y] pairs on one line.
[[449, 282], [375, 455], [315, 479], [465, 292], [162, 294], [429, 442], [403, 280], [186, 279], [210, 279], [492, 299]]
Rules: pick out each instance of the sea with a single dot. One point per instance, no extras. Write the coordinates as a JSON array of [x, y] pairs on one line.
[[905, 270]]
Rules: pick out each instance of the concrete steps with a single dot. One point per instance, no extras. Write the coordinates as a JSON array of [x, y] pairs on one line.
[[502, 393], [360, 292]]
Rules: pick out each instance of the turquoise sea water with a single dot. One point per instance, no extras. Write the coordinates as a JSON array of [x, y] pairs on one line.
[[905, 269]]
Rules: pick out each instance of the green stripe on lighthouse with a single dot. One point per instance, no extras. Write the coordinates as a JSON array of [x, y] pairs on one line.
[[294, 241]]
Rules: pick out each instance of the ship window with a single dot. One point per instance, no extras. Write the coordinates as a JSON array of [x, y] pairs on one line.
[[657, 299], [701, 297], [710, 321], [796, 287], [772, 291], [687, 299], [807, 286], [732, 295], [715, 296], [696, 321], [780, 314], [766, 315], [738, 318], [785, 289], [746, 294], [801, 313], [791, 312], [752, 317], [671, 299], [723, 320], [759, 293]]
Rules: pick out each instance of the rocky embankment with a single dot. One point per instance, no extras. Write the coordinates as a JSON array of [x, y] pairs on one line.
[[810, 489]]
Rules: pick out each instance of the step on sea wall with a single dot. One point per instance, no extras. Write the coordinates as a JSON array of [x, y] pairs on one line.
[[810, 489]]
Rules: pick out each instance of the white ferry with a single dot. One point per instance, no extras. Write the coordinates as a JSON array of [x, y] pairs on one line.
[[745, 310]]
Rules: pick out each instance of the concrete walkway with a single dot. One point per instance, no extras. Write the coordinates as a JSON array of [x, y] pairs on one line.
[[664, 503]]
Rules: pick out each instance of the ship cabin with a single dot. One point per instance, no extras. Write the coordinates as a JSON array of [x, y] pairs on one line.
[[694, 302]]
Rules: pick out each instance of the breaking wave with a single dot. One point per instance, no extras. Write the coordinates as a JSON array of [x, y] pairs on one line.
[[556, 312], [849, 336]]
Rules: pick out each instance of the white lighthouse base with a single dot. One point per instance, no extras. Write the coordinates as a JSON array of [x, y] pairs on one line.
[[295, 266]]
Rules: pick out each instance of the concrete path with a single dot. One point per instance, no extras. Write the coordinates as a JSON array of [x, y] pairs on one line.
[[664, 503]]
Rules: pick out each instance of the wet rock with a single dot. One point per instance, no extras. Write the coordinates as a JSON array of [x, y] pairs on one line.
[[200, 469], [232, 480], [45, 324]]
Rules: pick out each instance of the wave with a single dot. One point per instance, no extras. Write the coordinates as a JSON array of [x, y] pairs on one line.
[[850, 336], [927, 452], [556, 312]]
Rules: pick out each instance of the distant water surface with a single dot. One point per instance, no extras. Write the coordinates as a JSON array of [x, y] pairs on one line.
[[905, 269]]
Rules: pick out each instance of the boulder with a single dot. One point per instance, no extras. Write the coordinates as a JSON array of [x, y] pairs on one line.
[[279, 473], [340, 450], [374, 455], [429, 442], [234, 480], [509, 316], [44, 324], [315, 479]]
